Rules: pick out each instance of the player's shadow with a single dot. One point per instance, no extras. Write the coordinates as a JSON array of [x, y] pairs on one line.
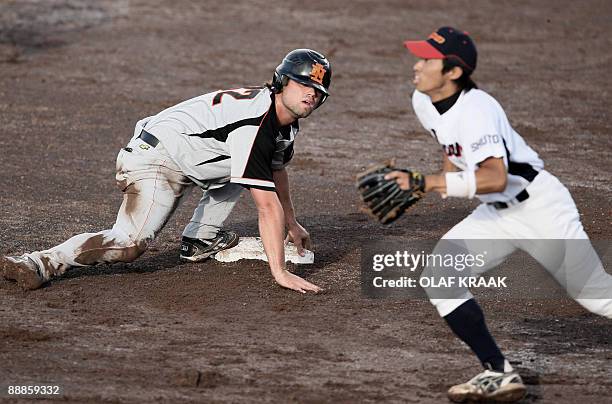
[[579, 336], [532, 380], [336, 238]]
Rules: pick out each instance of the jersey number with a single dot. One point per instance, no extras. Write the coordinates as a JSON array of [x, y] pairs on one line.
[[244, 94]]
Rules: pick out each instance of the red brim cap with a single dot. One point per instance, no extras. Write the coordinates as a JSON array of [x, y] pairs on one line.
[[423, 50]]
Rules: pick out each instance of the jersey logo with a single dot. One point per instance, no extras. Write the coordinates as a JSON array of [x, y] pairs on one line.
[[317, 73], [247, 93], [486, 139], [437, 37], [453, 149]]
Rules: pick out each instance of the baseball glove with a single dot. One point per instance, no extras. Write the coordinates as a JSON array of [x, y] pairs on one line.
[[384, 199]]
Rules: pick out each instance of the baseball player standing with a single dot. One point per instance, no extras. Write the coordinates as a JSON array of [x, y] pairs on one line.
[[222, 142], [485, 157]]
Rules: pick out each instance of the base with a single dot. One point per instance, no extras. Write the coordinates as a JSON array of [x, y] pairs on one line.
[[252, 248]]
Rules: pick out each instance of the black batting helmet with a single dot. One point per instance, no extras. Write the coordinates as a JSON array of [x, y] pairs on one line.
[[307, 67]]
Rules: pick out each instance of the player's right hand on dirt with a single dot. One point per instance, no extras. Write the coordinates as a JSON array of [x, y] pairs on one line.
[[291, 281]]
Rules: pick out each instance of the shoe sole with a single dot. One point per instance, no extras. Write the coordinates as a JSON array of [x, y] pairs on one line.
[[25, 277], [507, 394], [197, 258], [202, 257]]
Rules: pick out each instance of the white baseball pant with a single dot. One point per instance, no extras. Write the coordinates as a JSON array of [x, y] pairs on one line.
[[550, 215], [153, 186]]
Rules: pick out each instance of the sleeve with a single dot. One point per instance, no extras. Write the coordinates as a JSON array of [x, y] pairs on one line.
[[481, 135], [251, 153]]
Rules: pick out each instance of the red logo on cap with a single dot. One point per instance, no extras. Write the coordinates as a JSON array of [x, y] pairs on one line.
[[437, 37]]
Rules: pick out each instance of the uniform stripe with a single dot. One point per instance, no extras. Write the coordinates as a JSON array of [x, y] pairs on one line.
[[213, 160], [259, 187], [524, 170], [205, 183], [221, 134], [253, 182]]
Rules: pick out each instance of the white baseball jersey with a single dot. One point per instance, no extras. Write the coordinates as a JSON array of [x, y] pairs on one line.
[[223, 136], [474, 129]]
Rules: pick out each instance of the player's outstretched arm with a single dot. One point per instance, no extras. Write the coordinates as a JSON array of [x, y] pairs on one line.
[[491, 176], [295, 232], [271, 230]]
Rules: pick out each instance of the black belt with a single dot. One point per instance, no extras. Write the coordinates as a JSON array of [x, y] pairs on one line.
[[148, 138], [520, 197]]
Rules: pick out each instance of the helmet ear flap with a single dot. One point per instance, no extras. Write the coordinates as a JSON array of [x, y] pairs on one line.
[[278, 82]]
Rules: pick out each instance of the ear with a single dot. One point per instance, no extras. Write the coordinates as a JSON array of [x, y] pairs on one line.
[[455, 73]]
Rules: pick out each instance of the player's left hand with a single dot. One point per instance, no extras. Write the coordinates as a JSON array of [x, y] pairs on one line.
[[298, 236], [401, 177], [387, 191]]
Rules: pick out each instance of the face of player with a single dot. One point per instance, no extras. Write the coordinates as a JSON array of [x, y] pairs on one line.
[[429, 79], [299, 100]]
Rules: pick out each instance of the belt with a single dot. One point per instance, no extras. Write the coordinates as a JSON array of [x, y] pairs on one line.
[[148, 138], [520, 197]]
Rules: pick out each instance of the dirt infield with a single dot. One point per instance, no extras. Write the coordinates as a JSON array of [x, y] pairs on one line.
[[75, 76]]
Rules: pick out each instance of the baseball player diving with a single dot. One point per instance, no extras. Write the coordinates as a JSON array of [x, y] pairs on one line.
[[523, 206], [222, 142]]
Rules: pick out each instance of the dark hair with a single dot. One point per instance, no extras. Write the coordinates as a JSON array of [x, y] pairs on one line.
[[277, 87], [464, 82]]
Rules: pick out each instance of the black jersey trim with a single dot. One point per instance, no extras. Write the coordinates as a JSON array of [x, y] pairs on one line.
[[249, 186], [444, 105], [221, 134], [213, 160], [524, 170], [205, 183]]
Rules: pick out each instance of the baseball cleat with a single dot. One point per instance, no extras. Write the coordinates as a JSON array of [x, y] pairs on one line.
[[197, 249], [22, 270], [490, 386]]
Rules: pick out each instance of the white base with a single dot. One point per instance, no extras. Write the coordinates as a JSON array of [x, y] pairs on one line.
[[252, 248]]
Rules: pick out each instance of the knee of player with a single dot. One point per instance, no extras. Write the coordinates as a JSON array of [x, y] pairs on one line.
[[109, 249], [447, 306], [135, 250], [134, 247]]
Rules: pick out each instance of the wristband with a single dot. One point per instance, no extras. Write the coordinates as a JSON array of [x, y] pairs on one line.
[[461, 184]]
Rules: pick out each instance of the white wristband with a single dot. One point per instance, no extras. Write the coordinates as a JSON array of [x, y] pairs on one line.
[[461, 184]]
